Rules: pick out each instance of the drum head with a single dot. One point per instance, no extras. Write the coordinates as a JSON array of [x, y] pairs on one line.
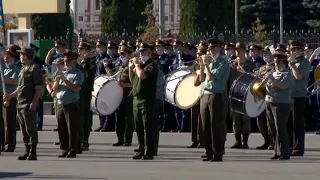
[[187, 95], [254, 107], [109, 97]]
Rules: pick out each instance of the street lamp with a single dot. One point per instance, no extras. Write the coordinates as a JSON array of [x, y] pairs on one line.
[[236, 22]]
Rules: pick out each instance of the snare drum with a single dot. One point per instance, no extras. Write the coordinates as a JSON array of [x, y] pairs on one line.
[[240, 97], [180, 90], [106, 96]]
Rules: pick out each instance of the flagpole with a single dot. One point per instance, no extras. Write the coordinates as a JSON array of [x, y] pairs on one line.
[[2, 23]]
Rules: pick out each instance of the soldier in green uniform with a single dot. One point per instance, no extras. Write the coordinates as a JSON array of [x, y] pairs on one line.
[[143, 75], [300, 68], [241, 123], [214, 72], [279, 88], [124, 121], [88, 63], [29, 90], [10, 77], [68, 84], [266, 125]]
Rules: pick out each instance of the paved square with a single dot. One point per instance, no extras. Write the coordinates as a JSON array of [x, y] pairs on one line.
[[175, 162]]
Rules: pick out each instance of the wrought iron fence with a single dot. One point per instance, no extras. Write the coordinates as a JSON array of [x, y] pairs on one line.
[[311, 37]]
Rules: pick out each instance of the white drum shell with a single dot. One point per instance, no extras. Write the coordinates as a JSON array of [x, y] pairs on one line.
[[106, 96]]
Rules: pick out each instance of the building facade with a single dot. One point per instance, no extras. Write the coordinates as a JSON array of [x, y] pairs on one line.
[[171, 14], [86, 15]]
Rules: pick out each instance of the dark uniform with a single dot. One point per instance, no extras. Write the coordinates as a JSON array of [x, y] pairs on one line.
[[183, 117], [213, 106], [279, 104], [241, 123], [102, 71], [169, 114], [125, 121], [67, 107], [2, 127], [144, 98], [258, 60], [89, 66], [11, 71], [40, 63], [29, 84], [296, 123]]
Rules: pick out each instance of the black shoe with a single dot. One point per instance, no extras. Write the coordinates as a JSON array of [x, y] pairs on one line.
[[175, 130], [237, 145], [63, 155], [200, 146], [98, 130], [85, 147], [284, 158], [136, 150], [275, 157], [79, 151], [271, 147], [207, 159], [165, 130], [26, 154], [9, 150], [155, 154], [193, 145], [127, 144], [148, 157], [55, 129], [216, 159], [117, 144], [33, 155], [139, 155], [72, 155], [57, 143]]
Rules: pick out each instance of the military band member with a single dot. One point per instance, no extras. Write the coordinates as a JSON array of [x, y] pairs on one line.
[[10, 77], [88, 64], [101, 48], [279, 102], [144, 78], [40, 63], [54, 53], [281, 49], [300, 68], [230, 51], [197, 137], [124, 121], [241, 123], [68, 84], [255, 57], [266, 125], [214, 71], [28, 92], [182, 59]]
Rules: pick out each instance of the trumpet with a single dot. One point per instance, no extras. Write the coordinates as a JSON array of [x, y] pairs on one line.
[[258, 89]]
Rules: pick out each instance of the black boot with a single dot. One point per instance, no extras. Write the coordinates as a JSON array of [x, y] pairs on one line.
[[26, 154], [266, 143], [245, 138], [237, 144], [33, 154]]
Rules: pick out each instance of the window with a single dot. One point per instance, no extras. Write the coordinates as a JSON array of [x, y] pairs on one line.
[[166, 18], [80, 18], [98, 5]]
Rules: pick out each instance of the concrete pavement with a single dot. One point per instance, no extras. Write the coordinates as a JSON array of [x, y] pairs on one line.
[[174, 162]]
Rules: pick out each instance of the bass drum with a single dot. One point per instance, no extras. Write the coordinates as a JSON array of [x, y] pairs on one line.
[[241, 100], [180, 90], [106, 96]]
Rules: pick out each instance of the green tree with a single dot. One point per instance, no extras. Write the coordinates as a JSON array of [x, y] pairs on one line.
[[52, 24], [117, 15], [259, 31], [314, 8], [201, 16], [268, 11], [151, 31]]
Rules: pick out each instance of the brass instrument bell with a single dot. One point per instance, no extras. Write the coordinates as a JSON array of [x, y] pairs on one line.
[[258, 89]]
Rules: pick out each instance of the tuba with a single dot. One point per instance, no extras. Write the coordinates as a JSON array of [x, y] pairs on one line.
[[258, 88]]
